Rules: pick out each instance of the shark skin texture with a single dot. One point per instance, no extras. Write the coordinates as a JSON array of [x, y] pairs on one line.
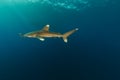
[[46, 33]]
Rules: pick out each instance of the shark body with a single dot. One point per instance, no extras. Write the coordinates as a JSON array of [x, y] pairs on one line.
[[45, 33]]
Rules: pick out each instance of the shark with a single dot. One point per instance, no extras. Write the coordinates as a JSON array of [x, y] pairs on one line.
[[46, 33]]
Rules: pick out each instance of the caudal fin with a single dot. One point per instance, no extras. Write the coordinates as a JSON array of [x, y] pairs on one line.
[[68, 34]]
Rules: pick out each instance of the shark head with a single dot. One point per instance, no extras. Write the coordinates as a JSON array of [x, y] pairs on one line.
[[30, 35]]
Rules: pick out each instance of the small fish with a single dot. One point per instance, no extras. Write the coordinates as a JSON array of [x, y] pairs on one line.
[[45, 33]]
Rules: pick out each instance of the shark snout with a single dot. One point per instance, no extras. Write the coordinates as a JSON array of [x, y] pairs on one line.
[[30, 35], [24, 35]]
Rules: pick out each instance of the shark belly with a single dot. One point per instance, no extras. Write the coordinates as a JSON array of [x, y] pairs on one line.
[[50, 35]]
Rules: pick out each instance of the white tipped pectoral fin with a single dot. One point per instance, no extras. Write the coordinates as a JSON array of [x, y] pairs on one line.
[[65, 40], [42, 39]]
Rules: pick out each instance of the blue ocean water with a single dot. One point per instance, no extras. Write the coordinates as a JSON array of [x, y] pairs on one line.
[[92, 53]]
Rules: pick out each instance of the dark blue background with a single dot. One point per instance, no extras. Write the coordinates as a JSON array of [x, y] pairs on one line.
[[92, 53]]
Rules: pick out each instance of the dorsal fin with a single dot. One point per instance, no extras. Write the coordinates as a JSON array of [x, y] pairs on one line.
[[46, 28]]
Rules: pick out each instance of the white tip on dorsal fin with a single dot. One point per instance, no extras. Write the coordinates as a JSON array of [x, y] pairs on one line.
[[77, 29], [46, 28], [47, 25]]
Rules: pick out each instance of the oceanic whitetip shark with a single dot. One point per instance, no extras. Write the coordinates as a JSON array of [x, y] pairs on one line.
[[46, 33]]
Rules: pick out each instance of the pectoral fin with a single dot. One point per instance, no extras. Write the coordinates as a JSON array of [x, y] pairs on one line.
[[42, 39]]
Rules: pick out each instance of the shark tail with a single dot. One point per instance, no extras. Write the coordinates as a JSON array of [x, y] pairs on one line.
[[65, 35]]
